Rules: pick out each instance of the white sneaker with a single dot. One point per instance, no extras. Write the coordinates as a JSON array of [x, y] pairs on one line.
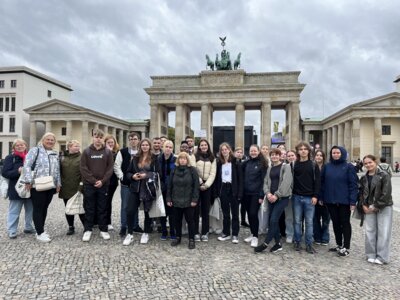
[[289, 240], [86, 236], [248, 239], [235, 240], [371, 260], [197, 238], [46, 234], [128, 240], [254, 242], [224, 238], [110, 227], [43, 238], [145, 238], [378, 261], [105, 235]]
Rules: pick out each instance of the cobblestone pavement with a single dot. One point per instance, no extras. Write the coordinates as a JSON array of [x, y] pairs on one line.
[[67, 268]]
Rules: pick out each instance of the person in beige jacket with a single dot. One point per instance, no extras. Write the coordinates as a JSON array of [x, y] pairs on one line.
[[206, 166]]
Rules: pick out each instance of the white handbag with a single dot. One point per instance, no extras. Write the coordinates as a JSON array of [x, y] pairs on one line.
[[4, 182], [44, 183], [21, 188], [75, 205], [158, 209]]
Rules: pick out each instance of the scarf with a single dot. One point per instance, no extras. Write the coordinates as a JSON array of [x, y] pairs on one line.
[[21, 154]]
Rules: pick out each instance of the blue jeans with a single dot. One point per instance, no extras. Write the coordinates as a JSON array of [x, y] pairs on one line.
[[275, 211], [14, 210], [321, 224], [126, 196], [302, 205]]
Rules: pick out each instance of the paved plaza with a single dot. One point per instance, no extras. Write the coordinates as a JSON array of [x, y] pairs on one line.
[[67, 268]]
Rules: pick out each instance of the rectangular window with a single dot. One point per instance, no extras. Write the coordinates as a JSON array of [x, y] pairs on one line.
[[12, 124], [12, 103], [386, 130], [63, 131], [10, 147], [7, 104], [387, 152], [13, 83], [1, 124], [49, 93], [1, 84], [1, 104]]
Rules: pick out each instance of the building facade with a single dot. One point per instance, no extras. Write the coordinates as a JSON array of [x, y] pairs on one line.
[[22, 87]]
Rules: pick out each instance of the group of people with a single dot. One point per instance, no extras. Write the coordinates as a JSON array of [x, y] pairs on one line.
[[285, 193]]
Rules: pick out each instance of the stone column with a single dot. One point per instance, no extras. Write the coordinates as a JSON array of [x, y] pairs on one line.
[[179, 130], [294, 125], [85, 134], [32, 134], [329, 140], [155, 122], [95, 126], [105, 129], [307, 136], [120, 137], [323, 146], [334, 135], [205, 119], [266, 124], [68, 136], [143, 134], [48, 126], [239, 125], [114, 132], [347, 136], [288, 117], [378, 137], [341, 135], [355, 139]]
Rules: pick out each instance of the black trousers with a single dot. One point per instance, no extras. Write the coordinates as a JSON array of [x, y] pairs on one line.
[[203, 206], [340, 216], [131, 212], [189, 216], [40, 203], [110, 195], [170, 214], [252, 207], [95, 204], [70, 218], [229, 205]]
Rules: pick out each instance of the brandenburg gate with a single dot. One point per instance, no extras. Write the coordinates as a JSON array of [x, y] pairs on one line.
[[226, 90]]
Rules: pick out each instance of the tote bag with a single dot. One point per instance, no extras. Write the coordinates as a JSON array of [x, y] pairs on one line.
[[158, 209], [75, 205]]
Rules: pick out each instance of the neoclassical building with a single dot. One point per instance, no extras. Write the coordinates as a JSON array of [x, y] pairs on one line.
[[367, 127]]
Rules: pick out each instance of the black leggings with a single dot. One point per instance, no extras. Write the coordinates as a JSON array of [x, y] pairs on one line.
[[40, 202], [252, 207], [340, 216]]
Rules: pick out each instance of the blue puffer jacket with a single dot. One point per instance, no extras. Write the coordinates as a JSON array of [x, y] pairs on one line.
[[10, 171], [339, 181]]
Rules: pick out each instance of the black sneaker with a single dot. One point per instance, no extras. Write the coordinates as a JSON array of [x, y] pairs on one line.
[[310, 249], [176, 242], [71, 230], [335, 249], [343, 252], [192, 244], [122, 232], [297, 246], [138, 230], [261, 247], [277, 247]]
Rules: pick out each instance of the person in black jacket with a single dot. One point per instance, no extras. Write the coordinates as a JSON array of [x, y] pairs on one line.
[[143, 166], [12, 169], [229, 188], [254, 171]]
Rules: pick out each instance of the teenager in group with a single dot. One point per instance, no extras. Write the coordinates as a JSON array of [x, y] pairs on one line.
[[376, 199], [191, 148], [278, 189], [254, 170], [206, 168], [263, 220], [321, 214], [167, 165], [96, 169], [121, 165], [42, 161], [182, 196], [143, 166], [12, 169], [239, 154], [339, 187], [229, 188], [289, 218], [184, 147], [306, 186], [156, 146], [112, 145], [71, 179]]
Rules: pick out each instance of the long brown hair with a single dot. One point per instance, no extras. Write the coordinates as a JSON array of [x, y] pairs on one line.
[[142, 159], [221, 157]]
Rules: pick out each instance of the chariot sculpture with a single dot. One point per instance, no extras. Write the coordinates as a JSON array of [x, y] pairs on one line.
[[225, 62]]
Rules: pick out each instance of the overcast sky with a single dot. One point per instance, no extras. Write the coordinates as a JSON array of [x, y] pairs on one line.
[[347, 51]]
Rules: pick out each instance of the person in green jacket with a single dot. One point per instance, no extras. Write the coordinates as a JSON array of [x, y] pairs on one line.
[[183, 196], [71, 179]]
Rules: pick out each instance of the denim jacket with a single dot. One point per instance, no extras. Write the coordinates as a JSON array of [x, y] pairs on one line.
[[46, 164]]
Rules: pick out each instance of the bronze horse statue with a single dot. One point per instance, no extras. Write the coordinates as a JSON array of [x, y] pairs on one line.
[[236, 64], [210, 63]]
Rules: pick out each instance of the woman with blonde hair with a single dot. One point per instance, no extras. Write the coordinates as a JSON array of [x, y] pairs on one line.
[[12, 168], [111, 143], [42, 161], [183, 195], [71, 179]]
